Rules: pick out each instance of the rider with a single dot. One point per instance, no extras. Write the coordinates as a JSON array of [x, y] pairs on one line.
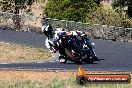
[[54, 35]]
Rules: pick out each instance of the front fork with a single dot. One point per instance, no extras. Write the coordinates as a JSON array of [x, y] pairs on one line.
[[94, 52], [90, 45]]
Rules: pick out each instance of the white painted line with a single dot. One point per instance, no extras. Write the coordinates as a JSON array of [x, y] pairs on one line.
[[57, 60], [52, 61], [39, 62], [4, 63]]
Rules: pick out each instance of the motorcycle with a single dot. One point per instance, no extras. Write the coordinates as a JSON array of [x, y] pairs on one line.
[[72, 49]]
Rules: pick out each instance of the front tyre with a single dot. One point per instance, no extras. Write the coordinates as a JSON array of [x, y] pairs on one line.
[[73, 55]]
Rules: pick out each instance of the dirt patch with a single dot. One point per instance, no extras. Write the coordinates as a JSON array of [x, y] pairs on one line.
[[33, 75], [11, 53]]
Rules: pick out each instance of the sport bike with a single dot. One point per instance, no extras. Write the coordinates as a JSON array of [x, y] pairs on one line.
[[71, 48]]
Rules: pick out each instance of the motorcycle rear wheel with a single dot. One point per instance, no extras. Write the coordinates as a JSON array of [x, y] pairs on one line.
[[89, 60]]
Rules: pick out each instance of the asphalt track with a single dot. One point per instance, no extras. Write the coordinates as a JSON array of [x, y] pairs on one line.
[[114, 56]]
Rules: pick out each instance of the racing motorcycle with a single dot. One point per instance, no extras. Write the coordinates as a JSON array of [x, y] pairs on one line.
[[74, 50]]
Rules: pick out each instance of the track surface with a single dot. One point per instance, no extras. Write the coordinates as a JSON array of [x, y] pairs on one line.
[[114, 56]]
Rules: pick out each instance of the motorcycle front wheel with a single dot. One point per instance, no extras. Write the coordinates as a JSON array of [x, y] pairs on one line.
[[73, 55]]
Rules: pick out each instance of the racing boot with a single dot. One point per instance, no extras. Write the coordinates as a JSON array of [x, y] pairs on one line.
[[62, 60]]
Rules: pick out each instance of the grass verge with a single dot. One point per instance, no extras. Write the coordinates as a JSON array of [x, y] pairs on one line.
[[36, 79], [11, 53]]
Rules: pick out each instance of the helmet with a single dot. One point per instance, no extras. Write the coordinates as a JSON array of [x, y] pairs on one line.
[[48, 30]]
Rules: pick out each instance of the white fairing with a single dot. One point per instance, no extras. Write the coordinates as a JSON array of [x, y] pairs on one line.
[[75, 32]]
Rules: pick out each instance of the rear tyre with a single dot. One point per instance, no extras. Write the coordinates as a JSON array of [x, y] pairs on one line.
[[96, 58], [89, 60]]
